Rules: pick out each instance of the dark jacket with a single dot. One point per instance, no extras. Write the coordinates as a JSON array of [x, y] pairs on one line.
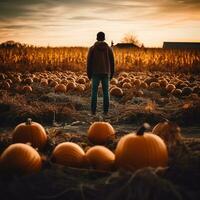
[[100, 60]]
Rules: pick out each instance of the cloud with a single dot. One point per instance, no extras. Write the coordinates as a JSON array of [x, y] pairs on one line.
[[18, 27], [12, 9], [85, 18], [53, 17], [179, 6]]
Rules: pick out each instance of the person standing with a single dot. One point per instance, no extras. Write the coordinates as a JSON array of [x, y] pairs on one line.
[[100, 68]]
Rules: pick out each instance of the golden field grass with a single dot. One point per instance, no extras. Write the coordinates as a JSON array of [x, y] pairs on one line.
[[74, 58]]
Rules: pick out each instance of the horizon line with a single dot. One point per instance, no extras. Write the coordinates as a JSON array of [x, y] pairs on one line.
[[86, 46]]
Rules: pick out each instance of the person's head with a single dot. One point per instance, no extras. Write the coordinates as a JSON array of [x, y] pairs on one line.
[[100, 36]]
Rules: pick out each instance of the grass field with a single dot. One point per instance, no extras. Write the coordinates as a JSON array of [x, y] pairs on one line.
[[150, 85], [74, 59]]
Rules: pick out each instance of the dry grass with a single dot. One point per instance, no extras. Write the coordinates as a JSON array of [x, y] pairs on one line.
[[45, 106], [16, 109], [58, 182], [74, 58]]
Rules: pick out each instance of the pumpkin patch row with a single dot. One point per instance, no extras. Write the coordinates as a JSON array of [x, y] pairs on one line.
[[133, 151], [61, 82]]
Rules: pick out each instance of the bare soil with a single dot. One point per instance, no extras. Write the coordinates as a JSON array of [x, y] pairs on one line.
[[67, 117]]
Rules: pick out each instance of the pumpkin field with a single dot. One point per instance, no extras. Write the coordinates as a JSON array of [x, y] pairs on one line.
[[147, 147]]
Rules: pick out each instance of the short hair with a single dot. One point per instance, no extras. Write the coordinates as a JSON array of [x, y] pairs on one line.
[[100, 36]]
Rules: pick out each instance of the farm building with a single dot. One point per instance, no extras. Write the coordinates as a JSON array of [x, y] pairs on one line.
[[181, 45], [125, 45]]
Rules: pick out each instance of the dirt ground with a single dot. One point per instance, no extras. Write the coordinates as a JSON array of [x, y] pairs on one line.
[[67, 117], [46, 106]]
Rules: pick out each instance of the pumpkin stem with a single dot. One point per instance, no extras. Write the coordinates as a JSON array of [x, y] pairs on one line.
[[142, 129], [29, 121], [165, 119]]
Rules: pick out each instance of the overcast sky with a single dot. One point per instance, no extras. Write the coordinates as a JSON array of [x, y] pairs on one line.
[[76, 22]]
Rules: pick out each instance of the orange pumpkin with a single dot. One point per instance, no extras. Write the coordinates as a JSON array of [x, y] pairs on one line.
[[139, 93], [124, 74], [71, 79], [137, 83], [138, 150], [182, 85], [170, 87], [100, 157], [196, 90], [116, 91], [69, 154], [5, 85], [168, 131], [17, 79], [80, 88], [100, 132], [71, 86], [35, 79], [28, 81], [127, 85], [163, 83], [2, 76], [81, 80], [27, 89], [177, 92], [64, 81], [30, 132], [154, 85], [143, 85], [186, 91], [44, 82], [120, 78], [60, 88], [20, 158], [114, 81], [9, 81], [53, 83]]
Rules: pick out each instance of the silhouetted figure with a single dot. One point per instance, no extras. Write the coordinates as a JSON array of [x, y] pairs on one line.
[[100, 68]]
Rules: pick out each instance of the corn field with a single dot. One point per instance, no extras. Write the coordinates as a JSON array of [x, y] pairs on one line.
[[74, 58]]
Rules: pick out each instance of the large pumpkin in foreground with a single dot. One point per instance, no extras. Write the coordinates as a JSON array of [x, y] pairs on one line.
[[69, 154], [30, 132], [101, 158], [21, 159], [100, 132], [138, 150]]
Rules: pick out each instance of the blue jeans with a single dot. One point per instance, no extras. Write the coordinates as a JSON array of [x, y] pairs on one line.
[[96, 79]]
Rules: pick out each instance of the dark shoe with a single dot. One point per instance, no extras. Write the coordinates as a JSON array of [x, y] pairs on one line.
[[93, 113], [105, 113]]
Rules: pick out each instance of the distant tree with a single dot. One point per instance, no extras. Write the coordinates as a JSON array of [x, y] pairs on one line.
[[131, 38], [11, 44]]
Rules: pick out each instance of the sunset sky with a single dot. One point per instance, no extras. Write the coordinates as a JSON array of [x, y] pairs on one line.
[[76, 22]]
